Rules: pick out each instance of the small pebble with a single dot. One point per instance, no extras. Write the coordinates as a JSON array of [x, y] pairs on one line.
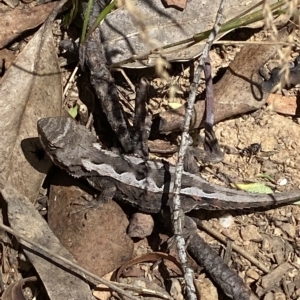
[[250, 233], [253, 274], [226, 220], [289, 229], [282, 181]]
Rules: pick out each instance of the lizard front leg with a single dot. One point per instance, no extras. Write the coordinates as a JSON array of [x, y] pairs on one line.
[[106, 193]]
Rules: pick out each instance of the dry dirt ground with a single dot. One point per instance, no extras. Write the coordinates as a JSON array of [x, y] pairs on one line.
[[271, 236]]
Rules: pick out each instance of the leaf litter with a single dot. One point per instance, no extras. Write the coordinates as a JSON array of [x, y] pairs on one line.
[[277, 133]]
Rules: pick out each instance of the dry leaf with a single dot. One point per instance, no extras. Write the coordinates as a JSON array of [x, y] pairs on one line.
[[26, 220], [163, 26], [30, 89], [14, 291], [13, 23], [256, 187]]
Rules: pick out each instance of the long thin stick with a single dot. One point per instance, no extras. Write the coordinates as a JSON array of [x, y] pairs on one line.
[[177, 214]]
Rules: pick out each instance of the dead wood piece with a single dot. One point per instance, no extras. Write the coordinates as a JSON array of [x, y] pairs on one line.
[[231, 284], [152, 256], [140, 133], [236, 248], [179, 4], [275, 276], [162, 147], [287, 105], [176, 204]]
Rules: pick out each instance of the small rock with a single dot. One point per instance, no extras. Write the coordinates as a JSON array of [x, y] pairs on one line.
[[269, 296], [176, 289], [297, 261], [250, 233], [233, 234], [141, 225], [279, 296], [291, 286], [246, 243], [226, 220], [289, 229], [293, 273], [282, 181], [277, 232], [296, 294], [207, 288], [253, 274]]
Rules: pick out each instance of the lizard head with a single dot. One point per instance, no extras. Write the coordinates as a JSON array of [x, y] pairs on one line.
[[65, 141], [55, 133]]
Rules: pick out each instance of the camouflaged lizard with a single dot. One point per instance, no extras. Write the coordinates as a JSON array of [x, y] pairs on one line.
[[144, 184]]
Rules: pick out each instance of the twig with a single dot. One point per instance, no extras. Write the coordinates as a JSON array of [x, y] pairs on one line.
[[177, 215], [229, 42], [210, 103], [140, 135], [211, 144]]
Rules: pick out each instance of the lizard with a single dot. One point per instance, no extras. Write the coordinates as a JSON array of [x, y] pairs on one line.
[[145, 184]]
